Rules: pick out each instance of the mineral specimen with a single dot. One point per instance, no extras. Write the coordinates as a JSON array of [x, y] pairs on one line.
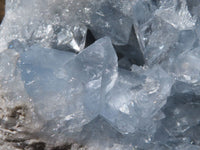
[[100, 74]]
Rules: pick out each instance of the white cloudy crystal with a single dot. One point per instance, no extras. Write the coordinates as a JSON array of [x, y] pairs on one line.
[[186, 66], [161, 32], [181, 18], [37, 22], [62, 24]]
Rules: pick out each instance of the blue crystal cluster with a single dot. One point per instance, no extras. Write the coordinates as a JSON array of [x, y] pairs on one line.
[[106, 74]]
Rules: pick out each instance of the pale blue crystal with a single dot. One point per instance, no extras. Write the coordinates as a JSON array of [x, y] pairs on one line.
[[66, 87]]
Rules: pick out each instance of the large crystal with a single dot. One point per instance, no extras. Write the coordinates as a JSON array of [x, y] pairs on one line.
[[78, 82], [186, 66], [137, 97]]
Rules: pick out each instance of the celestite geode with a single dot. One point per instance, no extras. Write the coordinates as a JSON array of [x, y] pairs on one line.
[[100, 75]]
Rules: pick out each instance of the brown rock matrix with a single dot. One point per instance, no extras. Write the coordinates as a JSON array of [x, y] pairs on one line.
[[2, 9]]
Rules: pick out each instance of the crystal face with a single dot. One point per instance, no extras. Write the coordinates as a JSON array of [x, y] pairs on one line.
[[78, 82], [99, 74]]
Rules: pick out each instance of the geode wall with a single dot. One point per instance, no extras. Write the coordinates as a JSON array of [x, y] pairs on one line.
[[2, 9]]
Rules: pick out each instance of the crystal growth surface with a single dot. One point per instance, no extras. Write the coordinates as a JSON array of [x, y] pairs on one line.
[[99, 74]]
